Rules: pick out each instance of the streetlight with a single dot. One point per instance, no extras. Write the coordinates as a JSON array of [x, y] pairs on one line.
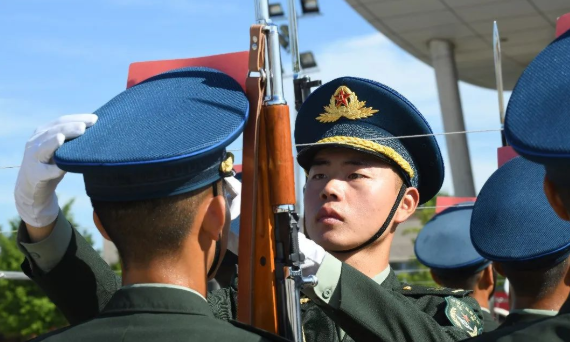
[[276, 10], [308, 60], [310, 6]]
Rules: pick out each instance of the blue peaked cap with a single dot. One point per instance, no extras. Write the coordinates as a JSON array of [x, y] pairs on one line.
[[444, 243], [513, 222], [537, 121], [162, 137], [364, 115]]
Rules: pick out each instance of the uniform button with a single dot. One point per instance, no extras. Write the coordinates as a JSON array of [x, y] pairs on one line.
[[35, 255], [327, 293]]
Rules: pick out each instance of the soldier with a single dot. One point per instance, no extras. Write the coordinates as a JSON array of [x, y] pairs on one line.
[[444, 245], [362, 182], [154, 167], [537, 126], [514, 226]]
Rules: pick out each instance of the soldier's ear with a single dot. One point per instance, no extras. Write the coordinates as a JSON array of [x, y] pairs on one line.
[[487, 279], [554, 199], [215, 217], [408, 205], [99, 226]]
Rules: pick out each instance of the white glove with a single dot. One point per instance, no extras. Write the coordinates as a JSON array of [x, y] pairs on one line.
[[233, 189], [314, 255], [38, 177]]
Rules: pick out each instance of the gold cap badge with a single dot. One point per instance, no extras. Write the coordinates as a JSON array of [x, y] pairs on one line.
[[344, 103], [228, 164]]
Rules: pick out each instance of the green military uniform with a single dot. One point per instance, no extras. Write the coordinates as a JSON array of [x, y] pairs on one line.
[[154, 313], [81, 284], [354, 308], [489, 322], [532, 327], [526, 316]]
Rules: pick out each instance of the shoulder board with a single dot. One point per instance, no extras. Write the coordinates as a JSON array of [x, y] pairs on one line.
[[262, 333], [419, 290], [463, 317]]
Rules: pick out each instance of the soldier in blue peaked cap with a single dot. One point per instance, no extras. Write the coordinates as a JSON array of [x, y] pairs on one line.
[[444, 245], [514, 226], [537, 121], [537, 126], [154, 167], [362, 181]]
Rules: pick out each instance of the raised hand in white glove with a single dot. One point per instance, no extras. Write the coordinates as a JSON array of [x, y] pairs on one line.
[[314, 255], [38, 177]]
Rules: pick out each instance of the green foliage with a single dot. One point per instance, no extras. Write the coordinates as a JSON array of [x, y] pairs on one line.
[[24, 309], [418, 273]]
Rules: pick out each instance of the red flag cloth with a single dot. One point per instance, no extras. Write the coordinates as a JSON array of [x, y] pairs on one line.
[[233, 64], [504, 154], [563, 24]]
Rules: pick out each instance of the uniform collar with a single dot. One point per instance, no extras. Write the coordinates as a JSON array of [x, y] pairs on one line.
[[171, 286], [163, 299], [382, 276], [535, 312]]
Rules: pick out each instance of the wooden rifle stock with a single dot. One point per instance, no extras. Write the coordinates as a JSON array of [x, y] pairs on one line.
[[268, 195], [273, 183]]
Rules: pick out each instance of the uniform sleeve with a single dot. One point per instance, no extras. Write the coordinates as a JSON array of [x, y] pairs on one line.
[[80, 283], [47, 253], [328, 277], [367, 311]]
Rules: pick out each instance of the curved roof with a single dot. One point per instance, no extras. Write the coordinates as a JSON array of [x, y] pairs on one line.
[[525, 27]]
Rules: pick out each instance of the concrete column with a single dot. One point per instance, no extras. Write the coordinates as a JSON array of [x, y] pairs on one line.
[[443, 61]]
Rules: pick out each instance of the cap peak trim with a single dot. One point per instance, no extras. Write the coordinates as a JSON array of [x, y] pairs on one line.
[[371, 146]]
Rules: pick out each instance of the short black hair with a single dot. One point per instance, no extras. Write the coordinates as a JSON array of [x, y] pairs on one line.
[[459, 280], [145, 229], [536, 283]]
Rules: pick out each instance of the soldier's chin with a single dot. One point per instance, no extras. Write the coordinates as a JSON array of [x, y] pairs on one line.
[[332, 241]]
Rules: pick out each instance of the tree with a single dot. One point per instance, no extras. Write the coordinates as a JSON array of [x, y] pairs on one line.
[[418, 273], [24, 309]]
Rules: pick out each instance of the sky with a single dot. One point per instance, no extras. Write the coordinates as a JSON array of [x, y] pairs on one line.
[[66, 57]]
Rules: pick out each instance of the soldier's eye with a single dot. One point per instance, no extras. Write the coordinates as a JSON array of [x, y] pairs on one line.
[[355, 176], [317, 176]]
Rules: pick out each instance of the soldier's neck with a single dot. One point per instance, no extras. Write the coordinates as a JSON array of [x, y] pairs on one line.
[[552, 301], [183, 271], [371, 260], [482, 297]]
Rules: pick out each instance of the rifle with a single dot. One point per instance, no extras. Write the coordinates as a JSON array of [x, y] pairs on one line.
[[270, 276]]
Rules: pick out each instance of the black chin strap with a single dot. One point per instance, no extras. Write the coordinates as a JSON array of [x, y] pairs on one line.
[[384, 226], [214, 266], [216, 258]]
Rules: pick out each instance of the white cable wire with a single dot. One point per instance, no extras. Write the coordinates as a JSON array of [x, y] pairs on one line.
[[374, 139], [421, 135]]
